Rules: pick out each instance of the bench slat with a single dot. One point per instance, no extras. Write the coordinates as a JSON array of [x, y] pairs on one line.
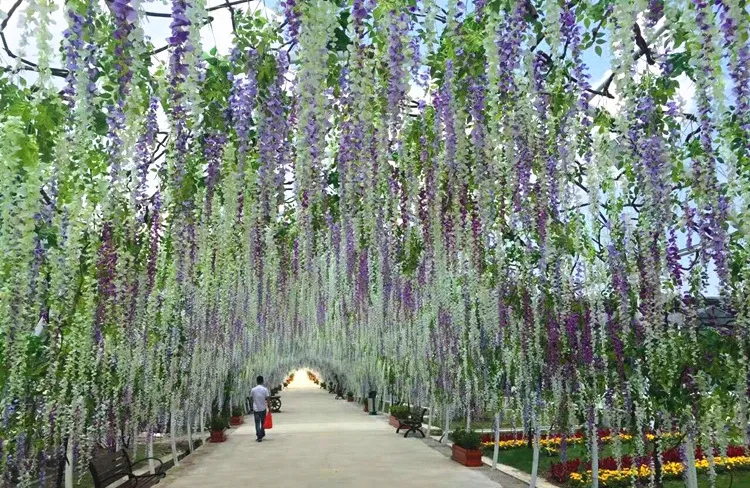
[[108, 465], [110, 468]]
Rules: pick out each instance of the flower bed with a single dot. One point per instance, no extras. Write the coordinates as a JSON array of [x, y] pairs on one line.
[[576, 473], [518, 440]]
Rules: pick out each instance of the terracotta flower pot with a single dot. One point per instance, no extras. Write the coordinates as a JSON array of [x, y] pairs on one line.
[[471, 458], [218, 436], [349, 399], [239, 420], [394, 421]]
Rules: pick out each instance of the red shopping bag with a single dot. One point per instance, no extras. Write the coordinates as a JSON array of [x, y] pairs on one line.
[[268, 424]]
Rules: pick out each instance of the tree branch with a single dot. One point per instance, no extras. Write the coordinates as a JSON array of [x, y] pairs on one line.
[[636, 55], [12, 10], [29, 66]]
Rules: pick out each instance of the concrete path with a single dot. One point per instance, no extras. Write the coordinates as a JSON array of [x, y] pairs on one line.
[[319, 442]]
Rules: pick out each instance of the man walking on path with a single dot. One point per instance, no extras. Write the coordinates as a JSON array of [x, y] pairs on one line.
[[260, 395]]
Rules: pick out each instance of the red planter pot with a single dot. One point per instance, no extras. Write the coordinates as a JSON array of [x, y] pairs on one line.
[[394, 421], [237, 420], [349, 399], [470, 458], [218, 436], [365, 409]]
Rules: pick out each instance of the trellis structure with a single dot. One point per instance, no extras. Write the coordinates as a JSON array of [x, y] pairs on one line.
[[426, 196]]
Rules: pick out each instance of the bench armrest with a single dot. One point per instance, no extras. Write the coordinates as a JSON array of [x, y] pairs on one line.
[[158, 470], [139, 477]]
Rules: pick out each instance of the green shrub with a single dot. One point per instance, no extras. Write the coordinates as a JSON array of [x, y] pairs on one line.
[[400, 411], [219, 423], [237, 411], [467, 439], [349, 394]]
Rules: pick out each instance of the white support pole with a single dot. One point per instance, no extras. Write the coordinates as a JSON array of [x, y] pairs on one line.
[[429, 419], [189, 423], [134, 441], [69, 464], [535, 458], [446, 423], [172, 433], [594, 460], [594, 448], [468, 406], [151, 466], [200, 423], [691, 475], [496, 450]]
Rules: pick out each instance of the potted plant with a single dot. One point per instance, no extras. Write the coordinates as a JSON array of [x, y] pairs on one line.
[[323, 384], [364, 403], [218, 426], [349, 396], [398, 412], [238, 416], [466, 448]]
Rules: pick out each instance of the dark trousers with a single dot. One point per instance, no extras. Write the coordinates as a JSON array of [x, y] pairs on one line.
[[260, 419]]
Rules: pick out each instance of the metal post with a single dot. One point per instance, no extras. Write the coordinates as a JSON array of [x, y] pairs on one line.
[[151, 466], [496, 449], [69, 464], [190, 431], [200, 423], [429, 419], [535, 458], [172, 434], [446, 424]]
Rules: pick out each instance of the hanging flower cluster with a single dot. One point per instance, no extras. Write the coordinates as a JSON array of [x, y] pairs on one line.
[[438, 203]]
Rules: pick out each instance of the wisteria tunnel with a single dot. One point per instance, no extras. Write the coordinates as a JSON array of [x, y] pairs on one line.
[[515, 231]]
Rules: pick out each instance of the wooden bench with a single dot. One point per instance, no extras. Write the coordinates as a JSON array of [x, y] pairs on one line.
[[274, 402], [110, 468], [413, 423]]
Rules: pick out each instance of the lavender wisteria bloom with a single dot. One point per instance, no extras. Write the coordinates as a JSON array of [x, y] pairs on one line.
[[273, 132], [733, 22], [292, 18], [241, 104], [178, 74], [125, 17], [509, 35], [397, 82], [74, 45], [106, 270], [713, 233], [143, 152], [214, 152]]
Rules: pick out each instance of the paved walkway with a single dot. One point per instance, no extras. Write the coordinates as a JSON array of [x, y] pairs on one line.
[[319, 442]]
